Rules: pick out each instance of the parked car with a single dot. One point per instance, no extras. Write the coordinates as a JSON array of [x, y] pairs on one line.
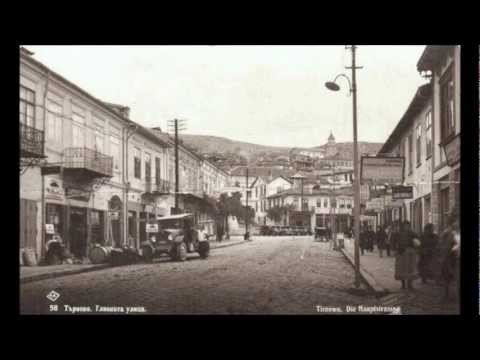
[[176, 237], [321, 233], [265, 230], [278, 230]]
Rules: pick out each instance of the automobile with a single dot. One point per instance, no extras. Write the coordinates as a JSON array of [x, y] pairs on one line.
[[289, 230], [300, 230], [176, 237], [321, 233], [265, 230], [278, 230]]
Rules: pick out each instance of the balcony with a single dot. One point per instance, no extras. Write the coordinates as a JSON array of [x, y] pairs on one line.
[[88, 162], [31, 142], [161, 187]]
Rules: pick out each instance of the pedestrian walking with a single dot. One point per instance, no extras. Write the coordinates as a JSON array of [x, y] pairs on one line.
[[381, 238], [363, 240], [406, 256], [428, 243], [370, 238], [447, 256], [388, 239]]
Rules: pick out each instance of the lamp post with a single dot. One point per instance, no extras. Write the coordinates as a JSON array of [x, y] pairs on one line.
[[356, 207]]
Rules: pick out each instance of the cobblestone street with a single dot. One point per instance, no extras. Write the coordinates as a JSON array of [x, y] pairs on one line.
[[276, 275], [271, 275]]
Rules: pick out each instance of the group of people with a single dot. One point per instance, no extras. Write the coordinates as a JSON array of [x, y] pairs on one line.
[[427, 256]]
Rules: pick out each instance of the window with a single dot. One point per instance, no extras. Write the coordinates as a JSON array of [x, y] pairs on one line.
[[99, 140], [410, 153], [319, 203], [27, 106], [137, 163], [54, 120], [78, 127], [148, 168], [325, 203], [428, 134], [418, 144], [157, 171], [115, 152], [447, 114], [78, 135]]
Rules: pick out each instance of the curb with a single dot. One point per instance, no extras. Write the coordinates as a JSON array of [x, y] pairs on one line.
[[53, 275], [367, 278], [227, 245]]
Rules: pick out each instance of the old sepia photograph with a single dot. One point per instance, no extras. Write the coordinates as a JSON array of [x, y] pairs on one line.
[[239, 179]]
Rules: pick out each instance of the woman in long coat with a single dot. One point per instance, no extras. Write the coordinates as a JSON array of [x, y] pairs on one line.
[[428, 243], [406, 256], [447, 254]]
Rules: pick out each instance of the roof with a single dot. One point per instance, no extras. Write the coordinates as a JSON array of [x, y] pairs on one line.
[[422, 96], [331, 137], [178, 216], [255, 171], [431, 56], [107, 107], [325, 192]]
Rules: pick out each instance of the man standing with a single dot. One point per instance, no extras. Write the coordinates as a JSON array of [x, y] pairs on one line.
[[381, 237]]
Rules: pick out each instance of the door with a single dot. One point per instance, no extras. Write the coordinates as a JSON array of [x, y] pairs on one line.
[[28, 223], [132, 228], [97, 226], [78, 232]]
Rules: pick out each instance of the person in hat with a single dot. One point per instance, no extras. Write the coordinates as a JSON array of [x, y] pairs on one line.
[[448, 254], [406, 256]]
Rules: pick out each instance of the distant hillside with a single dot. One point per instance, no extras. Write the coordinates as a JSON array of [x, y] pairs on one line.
[[345, 149], [205, 144], [236, 153]]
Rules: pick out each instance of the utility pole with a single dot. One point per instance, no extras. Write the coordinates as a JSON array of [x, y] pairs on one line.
[[246, 207], [356, 171], [175, 125]]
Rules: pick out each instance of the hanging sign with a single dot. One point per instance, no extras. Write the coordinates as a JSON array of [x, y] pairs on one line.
[[49, 229], [151, 228], [381, 170], [452, 150], [402, 192]]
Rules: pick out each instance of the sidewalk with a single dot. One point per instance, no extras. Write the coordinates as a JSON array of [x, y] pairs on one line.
[[36, 273], [379, 273]]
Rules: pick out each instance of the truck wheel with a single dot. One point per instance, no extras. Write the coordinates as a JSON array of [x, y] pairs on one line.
[[181, 252], [173, 253], [204, 249], [147, 254]]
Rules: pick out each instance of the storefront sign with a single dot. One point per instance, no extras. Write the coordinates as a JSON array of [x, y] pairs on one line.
[[390, 203], [375, 204], [54, 190], [452, 150], [402, 192], [151, 228], [50, 170], [381, 170], [49, 228], [377, 191], [77, 194], [114, 215]]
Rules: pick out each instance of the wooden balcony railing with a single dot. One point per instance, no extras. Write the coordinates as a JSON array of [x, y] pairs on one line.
[[88, 159], [31, 141]]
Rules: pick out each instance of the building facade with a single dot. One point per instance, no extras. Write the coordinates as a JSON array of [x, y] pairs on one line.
[[442, 64]]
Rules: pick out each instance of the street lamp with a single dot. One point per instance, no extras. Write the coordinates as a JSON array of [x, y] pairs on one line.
[[333, 86]]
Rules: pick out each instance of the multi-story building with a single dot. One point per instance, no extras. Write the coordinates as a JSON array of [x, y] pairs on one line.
[[90, 174], [412, 139], [442, 64], [82, 190]]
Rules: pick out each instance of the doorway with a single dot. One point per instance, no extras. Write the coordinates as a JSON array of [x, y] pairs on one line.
[[78, 232]]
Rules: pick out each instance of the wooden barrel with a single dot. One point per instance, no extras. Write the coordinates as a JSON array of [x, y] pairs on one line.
[[99, 254], [29, 257]]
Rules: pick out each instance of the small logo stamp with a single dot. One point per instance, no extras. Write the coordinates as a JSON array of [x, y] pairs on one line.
[[53, 296]]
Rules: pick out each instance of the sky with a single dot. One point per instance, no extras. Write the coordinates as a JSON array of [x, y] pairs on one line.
[[268, 95]]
